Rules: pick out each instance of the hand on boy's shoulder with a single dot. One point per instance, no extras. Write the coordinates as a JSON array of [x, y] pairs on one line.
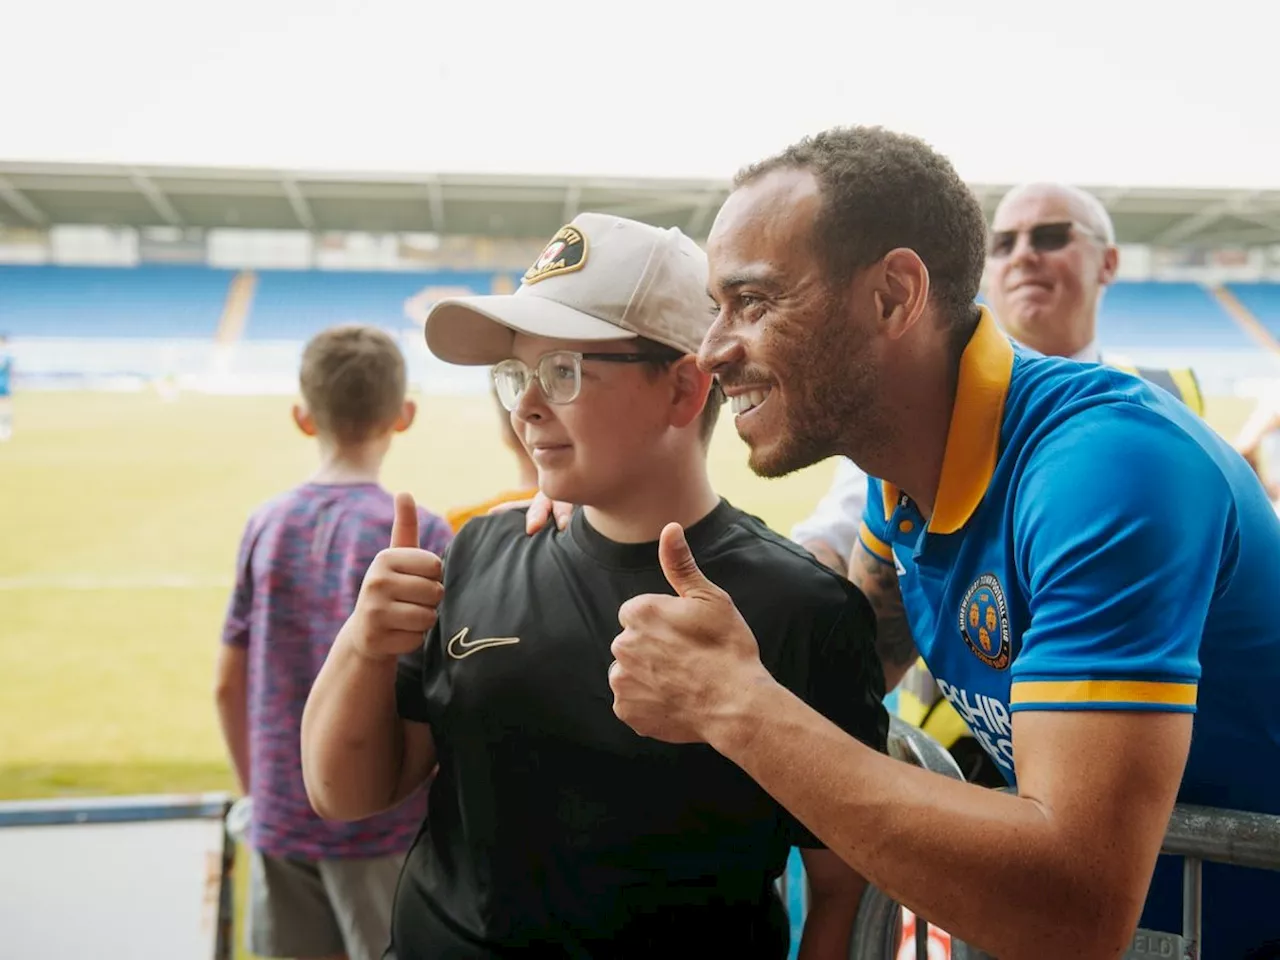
[[541, 509], [508, 505]]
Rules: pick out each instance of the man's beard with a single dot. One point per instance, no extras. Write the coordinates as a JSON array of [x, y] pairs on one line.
[[831, 404]]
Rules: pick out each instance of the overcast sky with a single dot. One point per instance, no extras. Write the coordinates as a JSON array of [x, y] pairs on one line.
[[1124, 92]]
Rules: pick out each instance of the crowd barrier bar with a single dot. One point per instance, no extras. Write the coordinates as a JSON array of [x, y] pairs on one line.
[[140, 809], [1195, 833]]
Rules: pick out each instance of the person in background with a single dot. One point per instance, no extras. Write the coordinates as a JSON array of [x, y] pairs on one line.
[[1259, 443], [316, 888], [6, 389]]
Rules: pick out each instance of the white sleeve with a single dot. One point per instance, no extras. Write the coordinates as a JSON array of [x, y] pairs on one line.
[[835, 519]]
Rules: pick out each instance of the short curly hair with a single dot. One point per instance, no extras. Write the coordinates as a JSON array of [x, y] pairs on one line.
[[883, 190]]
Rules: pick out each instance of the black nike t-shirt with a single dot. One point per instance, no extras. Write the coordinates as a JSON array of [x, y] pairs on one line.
[[555, 830]]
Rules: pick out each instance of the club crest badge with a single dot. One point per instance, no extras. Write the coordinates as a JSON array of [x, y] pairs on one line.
[[984, 621], [566, 252]]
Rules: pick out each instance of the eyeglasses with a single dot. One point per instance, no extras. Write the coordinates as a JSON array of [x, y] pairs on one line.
[[1045, 237], [558, 373]]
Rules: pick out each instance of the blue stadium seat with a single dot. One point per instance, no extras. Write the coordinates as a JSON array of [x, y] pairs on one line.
[[186, 303], [295, 304], [1262, 300], [169, 302], [1142, 316]]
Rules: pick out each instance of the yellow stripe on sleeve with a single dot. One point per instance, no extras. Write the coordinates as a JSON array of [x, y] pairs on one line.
[[1156, 693], [874, 544]]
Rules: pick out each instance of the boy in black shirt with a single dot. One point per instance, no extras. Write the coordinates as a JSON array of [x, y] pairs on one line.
[[553, 829]]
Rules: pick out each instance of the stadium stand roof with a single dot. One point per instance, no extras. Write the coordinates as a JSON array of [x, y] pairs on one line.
[[46, 194]]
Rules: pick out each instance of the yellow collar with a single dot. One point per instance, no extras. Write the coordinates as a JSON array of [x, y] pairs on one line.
[[973, 439]]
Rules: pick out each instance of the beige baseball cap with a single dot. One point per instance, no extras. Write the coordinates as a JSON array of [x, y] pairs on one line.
[[600, 277]]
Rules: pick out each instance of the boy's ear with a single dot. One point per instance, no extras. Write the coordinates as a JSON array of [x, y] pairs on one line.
[[690, 393], [303, 420], [408, 410]]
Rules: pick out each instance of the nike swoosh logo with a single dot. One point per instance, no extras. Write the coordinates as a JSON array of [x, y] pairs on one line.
[[460, 648]]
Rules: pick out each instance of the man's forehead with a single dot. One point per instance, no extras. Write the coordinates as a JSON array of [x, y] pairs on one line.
[[1039, 203], [764, 220], [780, 195]]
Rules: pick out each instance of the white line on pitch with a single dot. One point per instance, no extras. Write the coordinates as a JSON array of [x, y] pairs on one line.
[[88, 582]]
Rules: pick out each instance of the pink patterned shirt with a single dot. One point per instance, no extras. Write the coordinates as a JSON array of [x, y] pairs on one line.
[[302, 559]]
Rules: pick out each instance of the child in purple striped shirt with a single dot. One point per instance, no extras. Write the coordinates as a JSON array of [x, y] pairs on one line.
[[317, 888]]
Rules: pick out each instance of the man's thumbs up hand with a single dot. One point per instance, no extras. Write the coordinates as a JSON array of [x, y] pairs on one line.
[[681, 570], [679, 661]]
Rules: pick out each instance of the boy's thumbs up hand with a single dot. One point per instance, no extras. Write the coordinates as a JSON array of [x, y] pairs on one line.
[[400, 593], [680, 661], [404, 528]]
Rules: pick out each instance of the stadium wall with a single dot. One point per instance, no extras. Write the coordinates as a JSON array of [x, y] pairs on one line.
[[270, 367], [219, 330], [248, 368]]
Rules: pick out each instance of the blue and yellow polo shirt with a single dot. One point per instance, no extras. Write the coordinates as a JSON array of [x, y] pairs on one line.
[[1094, 545]]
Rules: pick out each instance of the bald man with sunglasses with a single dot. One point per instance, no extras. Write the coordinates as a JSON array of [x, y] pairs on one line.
[[1052, 255]]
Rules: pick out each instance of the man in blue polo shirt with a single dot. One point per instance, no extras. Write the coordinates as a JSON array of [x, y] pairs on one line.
[[1030, 586], [1089, 570]]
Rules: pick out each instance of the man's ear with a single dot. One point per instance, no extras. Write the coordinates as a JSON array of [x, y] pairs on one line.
[[689, 394], [408, 410], [901, 290], [303, 420], [1110, 264]]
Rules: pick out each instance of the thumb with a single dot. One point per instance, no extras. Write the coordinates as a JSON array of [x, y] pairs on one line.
[[404, 529], [680, 568]]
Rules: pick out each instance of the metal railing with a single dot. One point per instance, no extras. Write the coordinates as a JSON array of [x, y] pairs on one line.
[[878, 928], [98, 811], [1195, 833]]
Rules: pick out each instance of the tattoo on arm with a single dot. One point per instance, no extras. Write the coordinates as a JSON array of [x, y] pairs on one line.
[[879, 582], [827, 556]]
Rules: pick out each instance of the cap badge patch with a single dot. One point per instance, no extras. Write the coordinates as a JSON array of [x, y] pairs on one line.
[[566, 253]]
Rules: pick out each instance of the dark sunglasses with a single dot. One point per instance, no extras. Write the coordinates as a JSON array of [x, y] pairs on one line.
[[1044, 237]]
